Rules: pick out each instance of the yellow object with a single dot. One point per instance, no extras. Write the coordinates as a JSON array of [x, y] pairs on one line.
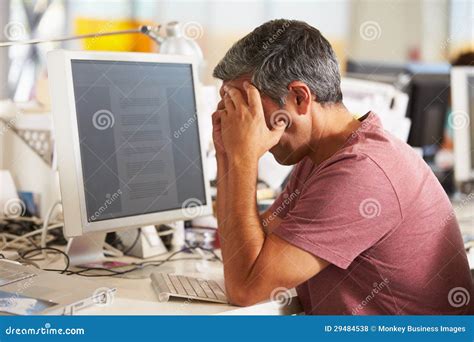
[[126, 42]]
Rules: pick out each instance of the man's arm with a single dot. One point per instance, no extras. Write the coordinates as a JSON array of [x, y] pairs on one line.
[[254, 264], [222, 166], [269, 224]]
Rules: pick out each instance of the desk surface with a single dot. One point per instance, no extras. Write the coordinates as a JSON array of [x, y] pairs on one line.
[[464, 209], [137, 297]]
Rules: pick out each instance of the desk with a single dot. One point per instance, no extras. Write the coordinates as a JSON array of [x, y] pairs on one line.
[[464, 210], [137, 297]]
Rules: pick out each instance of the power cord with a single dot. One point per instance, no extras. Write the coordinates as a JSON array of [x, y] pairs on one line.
[[43, 250], [44, 232], [16, 239], [110, 272], [20, 231], [134, 243]]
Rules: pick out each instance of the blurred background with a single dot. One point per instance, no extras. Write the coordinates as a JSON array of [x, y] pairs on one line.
[[396, 31]]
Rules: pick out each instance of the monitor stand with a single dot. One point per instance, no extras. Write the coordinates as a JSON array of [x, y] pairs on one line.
[[86, 249]]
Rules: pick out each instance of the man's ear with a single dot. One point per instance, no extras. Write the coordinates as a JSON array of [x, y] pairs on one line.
[[301, 95]]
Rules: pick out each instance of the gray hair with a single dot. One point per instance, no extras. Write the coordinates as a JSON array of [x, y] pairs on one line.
[[279, 52]]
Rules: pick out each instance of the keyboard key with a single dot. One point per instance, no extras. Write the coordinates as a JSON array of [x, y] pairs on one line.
[[194, 283], [217, 290], [168, 283], [207, 289], [177, 285], [187, 286]]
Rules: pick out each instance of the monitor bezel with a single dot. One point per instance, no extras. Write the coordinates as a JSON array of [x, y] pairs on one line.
[[68, 143], [463, 171]]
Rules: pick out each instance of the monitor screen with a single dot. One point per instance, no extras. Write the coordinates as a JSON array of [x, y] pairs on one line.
[[139, 137]]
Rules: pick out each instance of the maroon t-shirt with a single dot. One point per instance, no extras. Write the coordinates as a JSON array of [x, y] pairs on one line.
[[377, 213]]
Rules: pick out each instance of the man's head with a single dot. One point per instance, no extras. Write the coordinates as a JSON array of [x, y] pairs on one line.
[[295, 69]]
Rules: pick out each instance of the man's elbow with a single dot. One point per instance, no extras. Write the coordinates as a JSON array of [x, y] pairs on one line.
[[242, 296]]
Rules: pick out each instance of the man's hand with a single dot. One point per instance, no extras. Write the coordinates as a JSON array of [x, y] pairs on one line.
[[245, 135], [217, 129]]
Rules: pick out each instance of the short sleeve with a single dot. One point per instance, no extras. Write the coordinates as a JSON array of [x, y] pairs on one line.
[[285, 201], [342, 210]]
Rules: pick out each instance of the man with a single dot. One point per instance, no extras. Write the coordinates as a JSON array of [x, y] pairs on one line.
[[363, 226]]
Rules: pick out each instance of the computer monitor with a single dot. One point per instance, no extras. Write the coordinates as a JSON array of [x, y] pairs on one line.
[[461, 120], [427, 108], [375, 68], [128, 143]]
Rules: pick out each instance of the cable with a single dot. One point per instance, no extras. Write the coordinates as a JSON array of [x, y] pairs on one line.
[[139, 233], [27, 235], [44, 232], [33, 219], [135, 266], [137, 238], [43, 249]]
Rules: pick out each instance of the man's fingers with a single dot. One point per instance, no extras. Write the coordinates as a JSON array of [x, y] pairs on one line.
[[253, 95], [221, 105], [217, 117], [229, 104], [236, 96]]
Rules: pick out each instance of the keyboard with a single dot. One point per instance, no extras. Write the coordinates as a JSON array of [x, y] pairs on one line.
[[10, 273], [171, 285]]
